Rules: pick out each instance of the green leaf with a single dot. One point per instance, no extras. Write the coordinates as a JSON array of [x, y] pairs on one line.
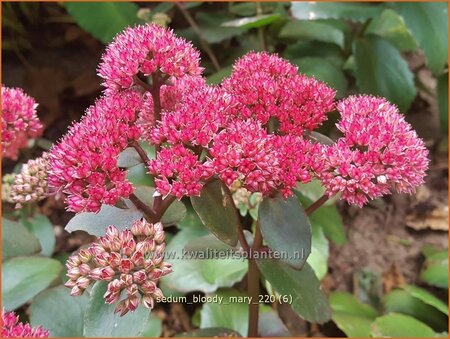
[[193, 272], [347, 303], [399, 325], [308, 300], [229, 308], [428, 22], [217, 77], [286, 229], [163, 7], [17, 240], [55, 310], [24, 277], [122, 218], [42, 228], [355, 11], [318, 259], [318, 49], [430, 250], [243, 8], [252, 22], [310, 30], [103, 19], [217, 212], [270, 324], [391, 26], [426, 297], [442, 93], [435, 269], [128, 158], [327, 217], [313, 190], [207, 243], [325, 71], [138, 176], [95, 223], [153, 329], [210, 26], [191, 220], [330, 220], [175, 212], [228, 313], [381, 70], [402, 301], [434, 253], [212, 332], [101, 321], [350, 315]]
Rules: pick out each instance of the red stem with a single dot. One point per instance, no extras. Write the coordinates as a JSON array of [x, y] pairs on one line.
[[316, 205], [253, 285]]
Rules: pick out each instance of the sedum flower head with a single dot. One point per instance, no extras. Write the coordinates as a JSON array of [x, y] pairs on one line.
[[197, 118], [172, 96], [179, 172], [262, 162], [19, 121], [131, 261], [30, 185], [243, 151], [268, 86], [145, 50], [12, 328], [379, 152], [83, 165]]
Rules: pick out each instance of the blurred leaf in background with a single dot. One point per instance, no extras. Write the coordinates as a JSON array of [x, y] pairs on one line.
[[104, 19], [381, 70]]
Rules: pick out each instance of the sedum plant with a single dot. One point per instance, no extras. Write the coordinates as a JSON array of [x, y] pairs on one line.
[[255, 132]]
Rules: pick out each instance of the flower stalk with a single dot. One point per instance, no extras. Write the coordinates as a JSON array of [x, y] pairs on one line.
[[253, 285]]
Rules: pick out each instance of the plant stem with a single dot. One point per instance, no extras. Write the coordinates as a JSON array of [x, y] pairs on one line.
[[253, 285], [198, 31], [164, 205], [241, 234], [140, 151], [143, 207], [155, 92], [316, 204], [160, 205], [142, 83]]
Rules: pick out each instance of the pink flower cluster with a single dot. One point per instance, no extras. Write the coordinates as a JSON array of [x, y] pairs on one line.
[[268, 86], [179, 172], [249, 130], [172, 94], [143, 51], [131, 261], [19, 121], [262, 162], [83, 165], [203, 112], [378, 153], [12, 328]]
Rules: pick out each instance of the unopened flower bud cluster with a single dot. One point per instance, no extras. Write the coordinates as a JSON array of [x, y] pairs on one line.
[[131, 261], [30, 185]]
